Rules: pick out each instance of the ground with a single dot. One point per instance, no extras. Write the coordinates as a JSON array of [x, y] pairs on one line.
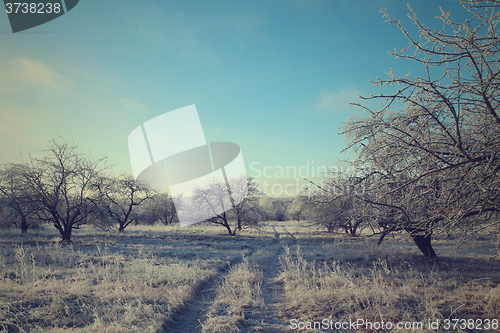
[[285, 277]]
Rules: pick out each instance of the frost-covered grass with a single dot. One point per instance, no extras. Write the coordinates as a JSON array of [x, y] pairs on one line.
[[100, 283], [352, 278], [239, 293], [141, 280]]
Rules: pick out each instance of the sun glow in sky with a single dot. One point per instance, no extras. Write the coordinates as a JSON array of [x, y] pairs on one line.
[[271, 76]]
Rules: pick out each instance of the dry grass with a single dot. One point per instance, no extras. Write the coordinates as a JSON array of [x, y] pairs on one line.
[[93, 287], [353, 279], [238, 295], [146, 278], [58, 287]]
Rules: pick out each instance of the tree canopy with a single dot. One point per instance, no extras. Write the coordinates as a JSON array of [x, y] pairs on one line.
[[429, 155]]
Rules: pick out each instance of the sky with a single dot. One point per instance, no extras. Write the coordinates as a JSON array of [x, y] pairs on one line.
[[273, 77]]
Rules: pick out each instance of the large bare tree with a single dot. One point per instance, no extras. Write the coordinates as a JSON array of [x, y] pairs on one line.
[[434, 144], [212, 199], [226, 204], [120, 197], [64, 183]]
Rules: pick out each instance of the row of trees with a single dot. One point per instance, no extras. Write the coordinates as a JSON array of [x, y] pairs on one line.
[[68, 189]]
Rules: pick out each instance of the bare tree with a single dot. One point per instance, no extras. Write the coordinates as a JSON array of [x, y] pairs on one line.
[[64, 184], [247, 212], [233, 201], [337, 204], [300, 208], [120, 198], [17, 197], [274, 208], [161, 206], [213, 199], [434, 144]]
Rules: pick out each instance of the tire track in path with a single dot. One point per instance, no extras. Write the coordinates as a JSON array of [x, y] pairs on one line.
[[272, 318], [188, 319]]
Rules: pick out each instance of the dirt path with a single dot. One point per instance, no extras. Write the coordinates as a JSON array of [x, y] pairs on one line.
[[271, 318], [189, 318]]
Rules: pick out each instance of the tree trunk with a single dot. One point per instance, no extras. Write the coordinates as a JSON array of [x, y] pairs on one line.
[[239, 223], [228, 227], [24, 224], [424, 244], [66, 234], [121, 229], [229, 230]]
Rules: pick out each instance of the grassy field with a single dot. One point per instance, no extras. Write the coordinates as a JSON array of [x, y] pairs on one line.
[[285, 277]]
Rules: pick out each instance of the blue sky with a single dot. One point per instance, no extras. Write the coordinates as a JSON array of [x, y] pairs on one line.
[[270, 76]]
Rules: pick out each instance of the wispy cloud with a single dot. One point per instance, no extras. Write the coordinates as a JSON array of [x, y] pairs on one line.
[[133, 105], [337, 101], [19, 131], [23, 74], [12, 125]]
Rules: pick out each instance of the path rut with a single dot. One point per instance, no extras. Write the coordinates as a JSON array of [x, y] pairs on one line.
[[266, 256]]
